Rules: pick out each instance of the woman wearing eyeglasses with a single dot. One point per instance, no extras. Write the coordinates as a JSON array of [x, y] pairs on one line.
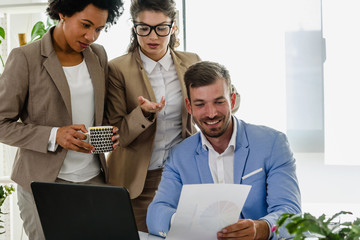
[[146, 101], [140, 83]]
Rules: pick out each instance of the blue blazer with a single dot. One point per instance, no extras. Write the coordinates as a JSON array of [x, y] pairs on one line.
[[274, 190]]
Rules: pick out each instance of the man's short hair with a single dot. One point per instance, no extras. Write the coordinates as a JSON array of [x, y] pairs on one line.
[[205, 73]]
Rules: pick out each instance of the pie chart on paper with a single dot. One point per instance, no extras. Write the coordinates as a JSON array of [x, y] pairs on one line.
[[219, 214]]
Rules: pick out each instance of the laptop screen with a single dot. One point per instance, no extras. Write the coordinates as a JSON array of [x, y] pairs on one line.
[[73, 211]]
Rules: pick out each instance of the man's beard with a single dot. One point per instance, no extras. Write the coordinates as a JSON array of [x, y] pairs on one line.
[[222, 130]]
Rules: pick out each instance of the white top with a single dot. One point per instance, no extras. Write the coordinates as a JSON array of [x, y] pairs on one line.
[[165, 82], [80, 167], [221, 165]]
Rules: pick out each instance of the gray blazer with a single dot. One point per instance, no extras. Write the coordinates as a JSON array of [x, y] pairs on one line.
[[34, 98]]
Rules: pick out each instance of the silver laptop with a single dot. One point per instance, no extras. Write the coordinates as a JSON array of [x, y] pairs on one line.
[[75, 212]]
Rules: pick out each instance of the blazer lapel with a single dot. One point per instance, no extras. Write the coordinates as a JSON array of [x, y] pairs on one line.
[[148, 86], [241, 152], [54, 68], [98, 80], [202, 161], [181, 69]]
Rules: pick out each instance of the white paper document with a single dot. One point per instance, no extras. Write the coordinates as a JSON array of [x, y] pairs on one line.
[[204, 209]]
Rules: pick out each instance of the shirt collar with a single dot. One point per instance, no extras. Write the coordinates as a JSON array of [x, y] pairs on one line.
[[232, 143], [150, 64]]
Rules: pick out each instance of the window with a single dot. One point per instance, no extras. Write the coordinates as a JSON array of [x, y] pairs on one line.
[[273, 50], [341, 85]]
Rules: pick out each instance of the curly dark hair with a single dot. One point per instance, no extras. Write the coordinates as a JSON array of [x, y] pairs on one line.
[[70, 7], [167, 7]]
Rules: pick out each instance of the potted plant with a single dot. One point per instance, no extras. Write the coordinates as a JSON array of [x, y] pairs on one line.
[[306, 225], [5, 191]]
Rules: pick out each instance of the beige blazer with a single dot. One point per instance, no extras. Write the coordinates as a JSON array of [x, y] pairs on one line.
[[128, 80], [34, 90]]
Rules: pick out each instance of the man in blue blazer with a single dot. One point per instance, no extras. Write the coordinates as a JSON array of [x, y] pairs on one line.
[[228, 150]]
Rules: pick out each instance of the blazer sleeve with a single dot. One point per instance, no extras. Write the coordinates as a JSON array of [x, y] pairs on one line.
[[283, 193], [14, 90], [166, 200], [130, 123]]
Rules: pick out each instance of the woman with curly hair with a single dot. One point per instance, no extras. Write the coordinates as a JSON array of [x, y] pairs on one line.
[[56, 88]]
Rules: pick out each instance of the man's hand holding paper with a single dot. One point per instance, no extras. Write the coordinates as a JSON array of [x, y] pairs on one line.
[[245, 229]]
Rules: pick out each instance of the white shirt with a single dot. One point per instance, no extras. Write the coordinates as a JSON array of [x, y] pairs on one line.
[[221, 165], [165, 82], [80, 167]]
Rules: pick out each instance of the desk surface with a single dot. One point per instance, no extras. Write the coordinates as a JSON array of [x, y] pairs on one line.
[[146, 236]]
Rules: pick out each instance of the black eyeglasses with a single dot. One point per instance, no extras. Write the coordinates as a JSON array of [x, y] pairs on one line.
[[162, 30]]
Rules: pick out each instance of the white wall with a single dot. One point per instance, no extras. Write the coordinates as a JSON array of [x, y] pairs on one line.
[[327, 188]]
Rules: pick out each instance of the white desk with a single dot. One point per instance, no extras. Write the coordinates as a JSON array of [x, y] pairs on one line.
[[147, 236]]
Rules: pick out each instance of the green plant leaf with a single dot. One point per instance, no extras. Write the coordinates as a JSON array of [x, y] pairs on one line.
[[356, 229], [302, 225], [5, 191], [2, 33], [283, 218], [38, 31], [336, 215]]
